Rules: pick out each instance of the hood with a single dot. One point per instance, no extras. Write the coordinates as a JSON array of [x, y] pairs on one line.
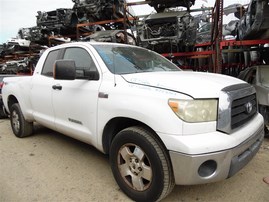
[[194, 84]]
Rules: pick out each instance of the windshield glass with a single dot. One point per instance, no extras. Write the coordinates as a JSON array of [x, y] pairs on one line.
[[127, 59]]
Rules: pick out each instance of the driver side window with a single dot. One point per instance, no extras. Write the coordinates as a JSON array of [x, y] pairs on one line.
[[82, 60]]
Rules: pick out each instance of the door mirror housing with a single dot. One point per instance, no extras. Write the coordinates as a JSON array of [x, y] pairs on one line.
[[64, 70]]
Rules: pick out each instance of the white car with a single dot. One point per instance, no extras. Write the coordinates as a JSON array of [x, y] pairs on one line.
[[159, 125]]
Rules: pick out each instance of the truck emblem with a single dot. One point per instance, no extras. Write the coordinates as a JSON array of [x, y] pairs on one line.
[[248, 107]]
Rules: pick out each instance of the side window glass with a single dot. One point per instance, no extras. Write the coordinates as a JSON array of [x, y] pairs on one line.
[[82, 60], [48, 65]]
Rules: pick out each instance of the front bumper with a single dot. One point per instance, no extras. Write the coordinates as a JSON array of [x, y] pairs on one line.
[[215, 166]]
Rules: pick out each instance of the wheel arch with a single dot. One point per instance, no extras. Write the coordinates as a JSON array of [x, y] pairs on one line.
[[117, 124], [11, 100]]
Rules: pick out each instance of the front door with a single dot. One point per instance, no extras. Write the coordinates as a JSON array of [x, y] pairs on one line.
[[75, 102]]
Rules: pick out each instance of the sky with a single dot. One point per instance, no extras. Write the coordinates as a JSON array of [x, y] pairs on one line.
[[16, 14]]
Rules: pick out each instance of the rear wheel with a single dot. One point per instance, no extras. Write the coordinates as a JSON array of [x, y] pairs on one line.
[[20, 127], [140, 165]]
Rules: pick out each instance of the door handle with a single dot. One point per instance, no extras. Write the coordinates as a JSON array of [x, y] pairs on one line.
[[57, 87]]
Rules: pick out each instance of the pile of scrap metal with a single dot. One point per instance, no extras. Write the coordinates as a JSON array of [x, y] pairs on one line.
[[59, 26], [57, 22], [30, 41], [204, 22], [63, 21], [253, 21], [14, 45], [15, 66], [168, 30], [252, 24], [204, 25], [98, 10], [17, 55], [19, 65]]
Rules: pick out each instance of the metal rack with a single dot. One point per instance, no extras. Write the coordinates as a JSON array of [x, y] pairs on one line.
[[210, 53], [214, 51]]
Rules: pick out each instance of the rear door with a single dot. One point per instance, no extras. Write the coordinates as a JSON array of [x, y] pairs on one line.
[[41, 92]]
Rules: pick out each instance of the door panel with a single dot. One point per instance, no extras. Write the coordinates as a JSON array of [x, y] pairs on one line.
[[41, 92]]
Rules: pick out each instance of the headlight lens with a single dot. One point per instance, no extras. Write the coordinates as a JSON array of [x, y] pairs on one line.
[[195, 110]]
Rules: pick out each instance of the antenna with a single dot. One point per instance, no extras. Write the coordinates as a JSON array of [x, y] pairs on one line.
[[114, 68]]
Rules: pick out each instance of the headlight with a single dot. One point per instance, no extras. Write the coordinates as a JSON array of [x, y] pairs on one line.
[[195, 110]]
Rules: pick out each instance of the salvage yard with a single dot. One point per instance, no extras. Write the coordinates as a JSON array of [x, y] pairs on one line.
[[52, 167]]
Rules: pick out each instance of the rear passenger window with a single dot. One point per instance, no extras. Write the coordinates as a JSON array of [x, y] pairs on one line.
[[48, 65], [82, 60]]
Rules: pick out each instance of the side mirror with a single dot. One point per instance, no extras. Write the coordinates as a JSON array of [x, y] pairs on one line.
[[64, 70]]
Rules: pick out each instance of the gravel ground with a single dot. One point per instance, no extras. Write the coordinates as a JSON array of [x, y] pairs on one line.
[[52, 167]]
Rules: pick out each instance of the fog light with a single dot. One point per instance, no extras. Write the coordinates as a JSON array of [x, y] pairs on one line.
[[207, 168]]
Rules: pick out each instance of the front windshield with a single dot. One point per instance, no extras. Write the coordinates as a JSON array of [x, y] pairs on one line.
[[127, 59]]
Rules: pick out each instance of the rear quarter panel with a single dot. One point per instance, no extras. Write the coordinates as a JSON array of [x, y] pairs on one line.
[[19, 87]]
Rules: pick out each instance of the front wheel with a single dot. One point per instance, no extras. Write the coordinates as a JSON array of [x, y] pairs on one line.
[[140, 165], [20, 127]]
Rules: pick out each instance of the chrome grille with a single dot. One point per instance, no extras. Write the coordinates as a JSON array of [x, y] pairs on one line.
[[237, 105]]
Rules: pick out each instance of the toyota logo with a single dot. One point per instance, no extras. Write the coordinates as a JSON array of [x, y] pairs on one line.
[[248, 107]]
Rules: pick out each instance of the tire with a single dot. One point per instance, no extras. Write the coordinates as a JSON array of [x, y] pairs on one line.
[[20, 127], [140, 165]]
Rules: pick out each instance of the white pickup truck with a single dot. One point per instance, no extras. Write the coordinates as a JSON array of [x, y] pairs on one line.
[[160, 126]]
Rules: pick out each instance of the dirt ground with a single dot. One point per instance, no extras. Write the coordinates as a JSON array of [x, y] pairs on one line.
[[51, 167]]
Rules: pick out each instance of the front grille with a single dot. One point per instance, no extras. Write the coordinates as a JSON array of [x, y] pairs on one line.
[[243, 110], [237, 105]]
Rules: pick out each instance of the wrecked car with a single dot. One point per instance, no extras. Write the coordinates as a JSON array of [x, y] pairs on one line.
[[15, 66], [5, 50], [255, 22], [59, 21], [33, 34], [14, 45], [161, 5], [96, 10], [204, 24], [258, 76], [167, 32], [115, 36], [237, 9], [19, 44]]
